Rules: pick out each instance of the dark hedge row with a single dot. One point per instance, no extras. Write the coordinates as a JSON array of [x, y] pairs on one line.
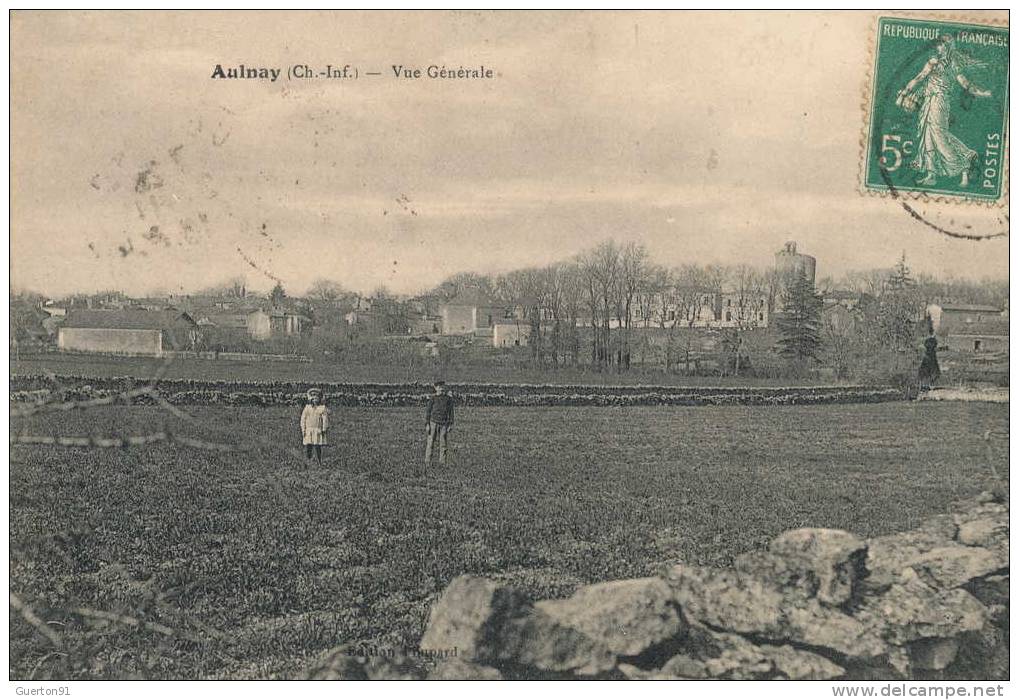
[[184, 392], [170, 386]]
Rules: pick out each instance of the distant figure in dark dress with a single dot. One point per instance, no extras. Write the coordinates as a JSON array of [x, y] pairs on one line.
[[929, 369]]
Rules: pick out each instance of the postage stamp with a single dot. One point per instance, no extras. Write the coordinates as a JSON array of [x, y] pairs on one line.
[[938, 110]]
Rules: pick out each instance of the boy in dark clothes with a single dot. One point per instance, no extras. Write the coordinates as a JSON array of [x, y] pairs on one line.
[[438, 421]]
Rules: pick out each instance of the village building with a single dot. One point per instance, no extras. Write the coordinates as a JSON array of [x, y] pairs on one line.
[[970, 328], [284, 323], [127, 331], [741, 310], [469, 312], [53, 309], [509, 333], [701, 308], [258, 324], [424, 325]]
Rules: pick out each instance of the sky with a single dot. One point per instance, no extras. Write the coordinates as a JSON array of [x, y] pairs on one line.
[[709, 137]]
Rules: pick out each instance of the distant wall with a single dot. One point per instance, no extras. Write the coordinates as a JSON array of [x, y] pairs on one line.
[[927, 604], [242, 356]]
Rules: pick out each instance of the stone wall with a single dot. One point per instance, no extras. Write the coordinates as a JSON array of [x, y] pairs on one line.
[[931, 603]]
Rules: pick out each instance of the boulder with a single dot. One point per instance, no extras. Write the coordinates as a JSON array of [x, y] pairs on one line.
[[706, 653], [889, 555], [992, 591], [990, 533], [978, 509], [336, 665], [933, 654], [398, 668], [635, 673], [912, 610], [344, 663], [817, 626], [791, 578], [539, 641], [685, 666], [983, 655], [797, 664], [832, 558], [628, 617], [894, 665], [953, 566], [741, 659], [737, 601], [469, 616], [492, 624], [455, 669]]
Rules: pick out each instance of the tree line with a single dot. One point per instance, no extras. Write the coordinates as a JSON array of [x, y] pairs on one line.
[[612, 307], [587, 309]]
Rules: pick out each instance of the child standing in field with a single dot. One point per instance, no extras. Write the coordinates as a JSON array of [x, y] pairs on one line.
[[438, 422], [314, 425]]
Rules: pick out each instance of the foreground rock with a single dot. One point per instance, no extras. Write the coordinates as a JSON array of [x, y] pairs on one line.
[[739, 601], [628, 617], [928, 604], [832, 560], [493, 624], [460, 670], [347, 663], [888, 555], [912, 610], [710, 654]]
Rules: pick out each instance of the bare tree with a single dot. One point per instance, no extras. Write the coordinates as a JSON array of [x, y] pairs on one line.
[[632, 277], [650, 308], [457, 284], [571, 285], [744, 306], [871, 282], [838, 334], [587, 265], [233, 287], [526, 290], [603, 266], [693, 293], [325, 290]]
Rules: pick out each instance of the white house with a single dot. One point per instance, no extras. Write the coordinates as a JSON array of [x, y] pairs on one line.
[[508, 333]]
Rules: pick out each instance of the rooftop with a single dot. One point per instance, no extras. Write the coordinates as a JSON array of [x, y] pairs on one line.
[[978, 308], [471, 297], [129, 319]]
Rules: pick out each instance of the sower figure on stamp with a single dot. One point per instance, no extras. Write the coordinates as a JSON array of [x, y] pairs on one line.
[[438, 422], [314, 425], [940, 153]]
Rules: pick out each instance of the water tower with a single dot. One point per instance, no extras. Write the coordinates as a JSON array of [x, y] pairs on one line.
[[788, 263]]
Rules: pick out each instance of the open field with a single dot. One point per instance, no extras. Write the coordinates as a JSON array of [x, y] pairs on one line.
[[229, 370], [287, 561]]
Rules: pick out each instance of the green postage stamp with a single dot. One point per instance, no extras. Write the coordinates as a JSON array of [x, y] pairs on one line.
[[938, 110]]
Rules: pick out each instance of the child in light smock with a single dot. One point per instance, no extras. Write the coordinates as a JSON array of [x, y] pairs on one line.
[[315, 425]]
